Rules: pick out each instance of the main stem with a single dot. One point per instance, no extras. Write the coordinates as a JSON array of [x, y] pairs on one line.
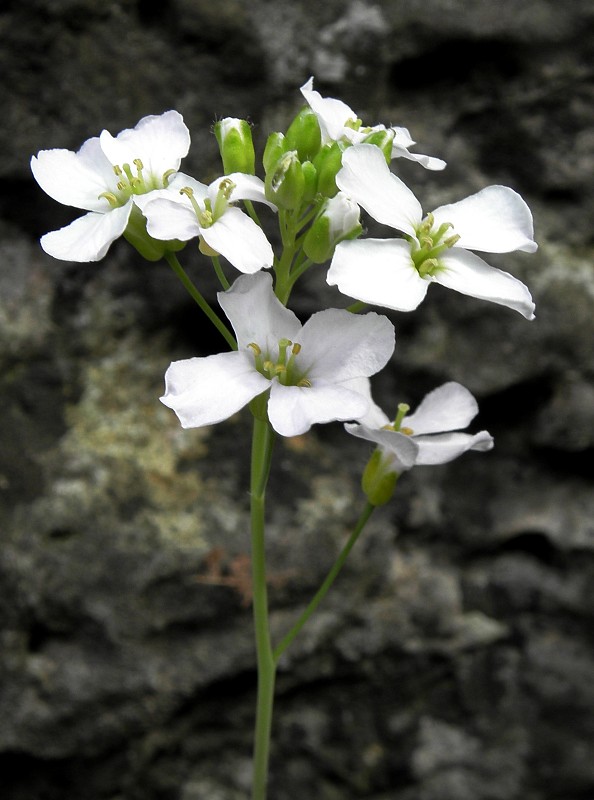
[[262, 443]]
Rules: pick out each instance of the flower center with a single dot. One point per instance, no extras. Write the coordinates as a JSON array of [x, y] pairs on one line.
[[134, 180], [430, 243], [285, 368], [403, 409], [209, 213]]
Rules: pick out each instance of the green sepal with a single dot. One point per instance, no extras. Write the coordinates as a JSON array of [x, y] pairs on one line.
[[382, 139], [284, 184], [327, 163], [137, 235], [276, 146], [304, 135], [379, 479], [236, 146]]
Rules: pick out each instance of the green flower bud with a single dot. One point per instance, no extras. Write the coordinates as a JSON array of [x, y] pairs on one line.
[[236, 146], [276, 145], [304, 135], [327, 163], [338, 220], [285, 183], [379, 479], [382, 139], [311, 181]]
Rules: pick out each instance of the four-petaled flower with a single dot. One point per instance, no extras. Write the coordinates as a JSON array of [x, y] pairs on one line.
[[395, 273], [313, 372], [429, 436], [187, 209], [339, 123], [106, 177]]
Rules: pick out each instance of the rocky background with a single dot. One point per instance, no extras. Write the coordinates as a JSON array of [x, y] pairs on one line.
[[454, 660]]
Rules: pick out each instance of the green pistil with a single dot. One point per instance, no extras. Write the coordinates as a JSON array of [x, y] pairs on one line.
[[403, 409], [431, 244], [130, 183], [355, 124], [284, 368]]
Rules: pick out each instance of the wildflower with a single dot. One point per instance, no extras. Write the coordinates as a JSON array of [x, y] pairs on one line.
[[106, 177], [313, 373], [339, 123], [429, 436], [396, 273], [187, 209]]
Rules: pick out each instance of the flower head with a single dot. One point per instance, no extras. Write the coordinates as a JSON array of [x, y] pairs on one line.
[[339, 123], [313, 372], [396, 273], [187, 209], [106, 177], [429, 436]]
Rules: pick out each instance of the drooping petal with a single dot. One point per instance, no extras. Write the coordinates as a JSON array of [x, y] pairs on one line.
[[292, 410], [256, 314], [169, 218], [429, 162], [443, 447], [467, 273], [338, 346], [204, 391], [87, 238], [378, 271], [374, 417], [246, 187], [240, 240], [447, 408], [76, 179], [159, 141], [366, 178], [332, 114], [403, 449], [494, 220]]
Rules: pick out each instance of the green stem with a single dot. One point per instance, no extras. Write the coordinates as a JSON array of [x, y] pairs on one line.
[[262, 444], [173, 262], [323, 590], [356, 307], [219, 273]]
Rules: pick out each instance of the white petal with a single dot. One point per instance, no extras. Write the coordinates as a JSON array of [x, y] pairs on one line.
[[429, 162], [257, 315], [332, 114], [246, 187], [374, 417], [76, 179], [87, 238], [338, 346], [203, 391], [173, 193], [366, 178], [494, 220], [159, 141], [378, 271], [168, 218], [402, 448], [467, 273], [240, 240], [292, 410], [447, 408], [444, 447]]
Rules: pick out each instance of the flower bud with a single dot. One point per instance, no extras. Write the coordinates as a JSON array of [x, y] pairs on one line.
[[327, 163], [338, 220], [236, 146], [304, 135], [276, 145], [383, 139], [311, 181], [379, 479], [285, 183]]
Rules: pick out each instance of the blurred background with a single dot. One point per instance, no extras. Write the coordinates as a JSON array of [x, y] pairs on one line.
[[454, 658]]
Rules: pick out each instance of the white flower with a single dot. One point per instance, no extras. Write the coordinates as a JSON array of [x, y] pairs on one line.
[[396, 273], [338, 123], [430, 435], [314, 372], [187, 209], [106, 177]]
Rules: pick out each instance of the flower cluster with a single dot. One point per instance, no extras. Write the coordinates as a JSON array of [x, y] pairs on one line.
[[318, 177]]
